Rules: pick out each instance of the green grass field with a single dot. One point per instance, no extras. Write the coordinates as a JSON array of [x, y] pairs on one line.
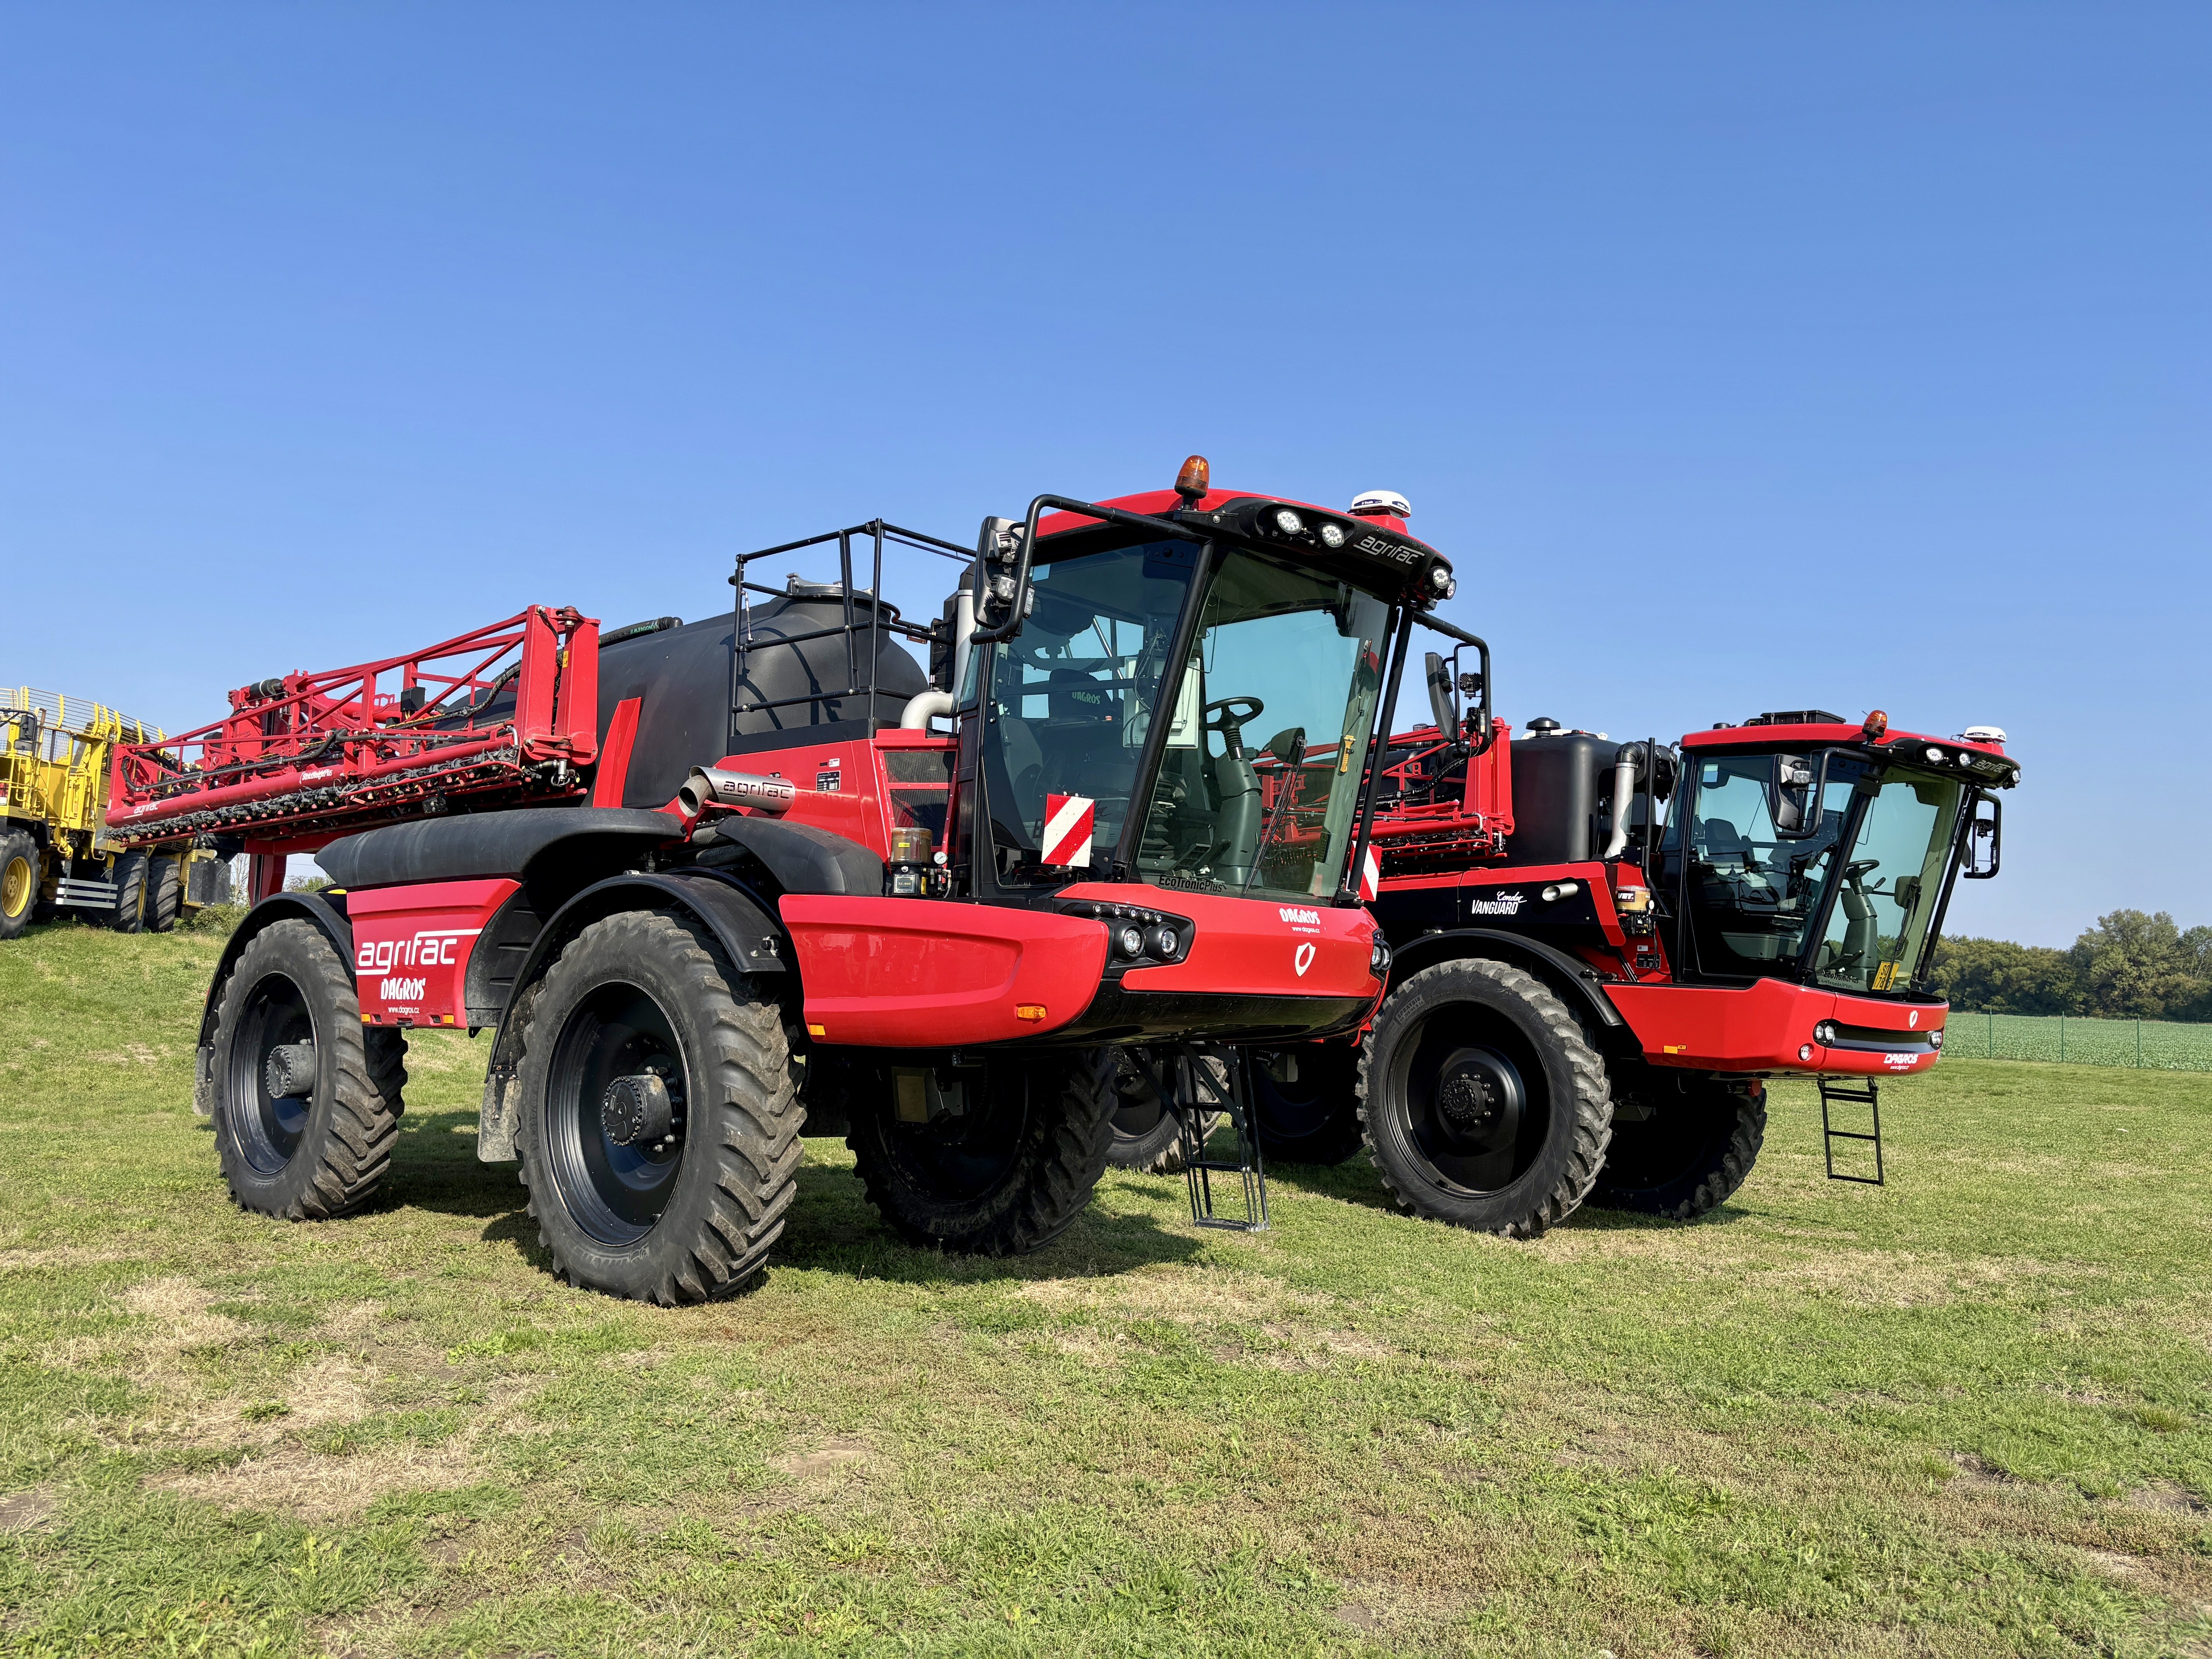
[[1964, 1414]]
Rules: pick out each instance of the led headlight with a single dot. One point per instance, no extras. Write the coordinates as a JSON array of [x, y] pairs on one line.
[[1288, 522], [1131, 940], [1936, 1038], [1163, 942], [1805, 1052], [1825, 1032], [1442, 580], [1332, 536]]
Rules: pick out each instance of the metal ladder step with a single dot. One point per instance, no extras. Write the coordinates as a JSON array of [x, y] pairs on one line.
[[1187, 1085], [1834, 1093]]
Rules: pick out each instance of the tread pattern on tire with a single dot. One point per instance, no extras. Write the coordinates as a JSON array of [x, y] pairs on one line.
[[130, 878], [1593, 1101], [363, 1125], [1060, 1183], [1721, 1177], [165, 895], [755, 1137]]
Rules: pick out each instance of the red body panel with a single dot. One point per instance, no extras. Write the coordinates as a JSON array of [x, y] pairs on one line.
[[411, 946], [1761, 1027], [1243, 947], [846, 787], [905, 973]]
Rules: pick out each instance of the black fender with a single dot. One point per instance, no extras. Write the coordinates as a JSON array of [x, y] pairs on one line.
[[277, 907], [749, 933], [1570, 975]]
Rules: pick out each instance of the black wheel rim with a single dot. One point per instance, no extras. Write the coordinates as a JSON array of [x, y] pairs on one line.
[[1301, 1109], [268, 1127], [1477, 1107], [615, 1192], [1138, 1111], [970, 1154]]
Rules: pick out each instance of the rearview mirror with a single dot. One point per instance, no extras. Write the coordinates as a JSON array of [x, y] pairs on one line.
[[1985, 839], [1793, 796], [1443, 708], [1289, 746]]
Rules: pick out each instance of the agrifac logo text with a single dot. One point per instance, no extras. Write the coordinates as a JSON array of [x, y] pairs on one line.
[[430, 948]]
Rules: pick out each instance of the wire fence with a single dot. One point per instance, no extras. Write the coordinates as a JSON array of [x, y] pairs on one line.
[[2151, 1045]]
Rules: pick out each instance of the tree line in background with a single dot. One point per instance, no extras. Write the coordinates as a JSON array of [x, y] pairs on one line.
[[2129, 966]]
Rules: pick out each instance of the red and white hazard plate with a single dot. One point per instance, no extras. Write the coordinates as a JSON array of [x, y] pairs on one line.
[[1068, 822], [1370, 875]]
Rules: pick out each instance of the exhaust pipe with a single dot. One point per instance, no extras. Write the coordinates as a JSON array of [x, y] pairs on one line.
[[709, 786], [924, 706], [1624, 795]]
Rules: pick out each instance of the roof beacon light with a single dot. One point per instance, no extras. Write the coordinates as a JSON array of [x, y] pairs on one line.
[[1195, 479], [1876, 724], [1380, 503]]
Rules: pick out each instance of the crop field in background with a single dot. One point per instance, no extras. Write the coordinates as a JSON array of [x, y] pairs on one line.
[[1964, 1414], [2157, 1045]]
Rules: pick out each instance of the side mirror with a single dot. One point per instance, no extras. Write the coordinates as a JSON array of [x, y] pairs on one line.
[[1985, 839], [1794, 797], [1289, 746], [1000, 575], [1443, 708]]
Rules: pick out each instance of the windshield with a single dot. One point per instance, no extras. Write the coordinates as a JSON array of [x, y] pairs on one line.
[[1754, 895], [1891, 885], [1268, 721]]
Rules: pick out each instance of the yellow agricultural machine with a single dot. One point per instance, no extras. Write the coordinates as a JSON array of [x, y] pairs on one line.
[[56, 755]]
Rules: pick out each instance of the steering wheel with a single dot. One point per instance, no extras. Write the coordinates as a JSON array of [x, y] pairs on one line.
[[1229, 722], [1853, 870]]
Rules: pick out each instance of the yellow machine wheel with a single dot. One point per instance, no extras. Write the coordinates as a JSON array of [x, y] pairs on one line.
[[19, 882]]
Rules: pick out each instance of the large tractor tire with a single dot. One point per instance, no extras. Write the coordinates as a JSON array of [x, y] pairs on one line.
[[1483, 1103], [1689, 1154], [658, 1129], [19, 882], [303, 1124], [132, 872], [1312, 1115], [1007, 1174], [165, 895], [1147, 1136]]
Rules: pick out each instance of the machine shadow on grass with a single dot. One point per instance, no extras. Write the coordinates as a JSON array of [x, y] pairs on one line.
[[831, 1226], [1355, 1181]]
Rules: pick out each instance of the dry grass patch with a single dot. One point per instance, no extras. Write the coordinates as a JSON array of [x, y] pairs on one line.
[[1183, 1297], [20, 1511], [826, 1459], [323, 1487]]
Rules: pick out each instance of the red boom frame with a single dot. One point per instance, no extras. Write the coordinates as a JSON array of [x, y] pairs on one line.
[[298, 762]]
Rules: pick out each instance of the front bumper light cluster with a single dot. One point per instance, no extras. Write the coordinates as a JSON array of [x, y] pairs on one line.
[[1136, 937]]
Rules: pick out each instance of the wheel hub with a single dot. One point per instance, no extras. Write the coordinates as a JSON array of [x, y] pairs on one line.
[[15, 887], [636, 1111], [289, 1071], [1479, 1100]]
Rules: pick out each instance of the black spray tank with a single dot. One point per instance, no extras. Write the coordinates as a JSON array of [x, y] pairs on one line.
[[680, 675]]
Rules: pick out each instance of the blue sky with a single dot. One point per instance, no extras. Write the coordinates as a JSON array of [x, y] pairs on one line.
[[1741, 358]]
